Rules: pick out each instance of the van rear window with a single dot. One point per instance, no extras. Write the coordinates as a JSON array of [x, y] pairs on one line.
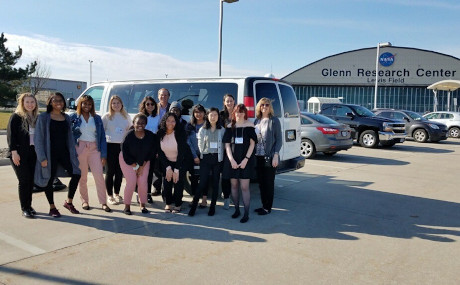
[[188, 94]]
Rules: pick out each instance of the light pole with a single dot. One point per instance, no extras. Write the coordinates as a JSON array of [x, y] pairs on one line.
[[380, 45], [90, 72], [220, 31]]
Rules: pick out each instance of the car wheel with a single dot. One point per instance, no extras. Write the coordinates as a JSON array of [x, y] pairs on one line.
[[368, 139], [454, 132], [307, 148], [388, 144], [420, 135], [330, 153]]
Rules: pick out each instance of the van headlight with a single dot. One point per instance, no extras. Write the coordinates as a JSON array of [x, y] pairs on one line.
[[433, 126], [386, 127]]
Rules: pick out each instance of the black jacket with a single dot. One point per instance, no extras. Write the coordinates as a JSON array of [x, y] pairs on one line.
[[18, 138]]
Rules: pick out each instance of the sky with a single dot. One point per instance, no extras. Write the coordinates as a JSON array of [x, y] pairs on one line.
[[147, 39]]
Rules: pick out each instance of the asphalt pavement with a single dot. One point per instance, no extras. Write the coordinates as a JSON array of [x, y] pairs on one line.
[[364, 216]]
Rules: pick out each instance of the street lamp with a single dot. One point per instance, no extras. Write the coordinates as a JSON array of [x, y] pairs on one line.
[[220, 31], [380, 45], [90, 72]]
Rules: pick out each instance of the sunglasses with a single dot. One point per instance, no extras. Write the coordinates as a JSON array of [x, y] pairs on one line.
[[265, 105], [149, 104]]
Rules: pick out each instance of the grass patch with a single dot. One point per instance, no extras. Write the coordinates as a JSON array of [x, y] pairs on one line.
[[4, 118]]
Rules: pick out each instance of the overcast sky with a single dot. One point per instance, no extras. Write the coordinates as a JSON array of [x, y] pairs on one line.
[[148, 39]]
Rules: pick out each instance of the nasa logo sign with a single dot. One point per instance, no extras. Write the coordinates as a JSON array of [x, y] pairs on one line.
[[386, 59]]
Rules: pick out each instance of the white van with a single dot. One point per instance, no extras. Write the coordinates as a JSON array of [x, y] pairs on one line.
[[209, 92]]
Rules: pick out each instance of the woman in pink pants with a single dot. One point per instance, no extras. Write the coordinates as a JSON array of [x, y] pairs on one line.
[[91, 144], [138, 149]]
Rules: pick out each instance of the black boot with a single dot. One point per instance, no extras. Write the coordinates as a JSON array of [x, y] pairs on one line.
[[192, 211], [212, 210]]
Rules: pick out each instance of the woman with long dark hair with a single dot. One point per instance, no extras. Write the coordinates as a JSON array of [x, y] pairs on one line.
[[20, 137], [226, 118], [56, 154], [116, 124], [212, 152], [269, 142], [149, 108], [240, 139], [197, 120], [89, 135], [171, 153]]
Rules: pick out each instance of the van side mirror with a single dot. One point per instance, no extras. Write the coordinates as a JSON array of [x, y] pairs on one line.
[[71, 103]]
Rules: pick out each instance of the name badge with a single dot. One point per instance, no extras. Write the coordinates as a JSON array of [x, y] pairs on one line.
[[239, 140], [118, 130], [213, 144]]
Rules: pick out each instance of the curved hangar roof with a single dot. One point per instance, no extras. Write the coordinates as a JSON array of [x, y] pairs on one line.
[[398, 66]]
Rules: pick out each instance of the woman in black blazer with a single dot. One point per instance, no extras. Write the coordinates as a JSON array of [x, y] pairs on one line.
[[20, 132]]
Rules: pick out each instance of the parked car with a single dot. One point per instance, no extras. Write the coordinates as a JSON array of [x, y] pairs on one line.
[[417, 127], [450, 119], [321, 134], [368, 129]]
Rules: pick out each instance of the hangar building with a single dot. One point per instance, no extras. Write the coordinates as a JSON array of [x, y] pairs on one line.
[[403, 77]]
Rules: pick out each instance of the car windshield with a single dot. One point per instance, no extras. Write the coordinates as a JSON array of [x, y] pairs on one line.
[[415, 116], [363, 112], [321, 119]]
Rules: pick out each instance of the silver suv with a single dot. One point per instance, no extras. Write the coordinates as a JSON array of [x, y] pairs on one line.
[[450, 119]]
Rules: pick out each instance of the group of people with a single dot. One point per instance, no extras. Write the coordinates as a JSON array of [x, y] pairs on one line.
[[223, 145]]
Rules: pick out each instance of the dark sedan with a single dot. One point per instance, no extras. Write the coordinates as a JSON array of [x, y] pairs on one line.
[[417, 127]]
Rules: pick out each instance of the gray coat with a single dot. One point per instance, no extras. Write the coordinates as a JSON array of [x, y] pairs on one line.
[[43, 150], [274, 139]]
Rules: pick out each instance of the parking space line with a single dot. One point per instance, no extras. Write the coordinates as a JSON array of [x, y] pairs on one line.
[[20, 244]]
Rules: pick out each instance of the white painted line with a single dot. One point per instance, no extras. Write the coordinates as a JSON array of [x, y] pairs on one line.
[[20, 244], [290, 180]]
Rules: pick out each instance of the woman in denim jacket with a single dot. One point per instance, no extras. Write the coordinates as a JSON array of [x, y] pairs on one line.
[[91, 144]]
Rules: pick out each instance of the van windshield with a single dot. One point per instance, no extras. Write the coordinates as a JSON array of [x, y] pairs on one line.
[[188, 94]]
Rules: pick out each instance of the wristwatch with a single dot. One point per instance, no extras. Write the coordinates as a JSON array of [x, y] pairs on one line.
[[136, 167]]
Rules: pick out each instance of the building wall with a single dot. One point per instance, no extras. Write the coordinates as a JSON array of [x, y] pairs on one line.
[[402, 83]]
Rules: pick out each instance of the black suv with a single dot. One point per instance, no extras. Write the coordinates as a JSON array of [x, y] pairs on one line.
[[417, 127], [367, 128]]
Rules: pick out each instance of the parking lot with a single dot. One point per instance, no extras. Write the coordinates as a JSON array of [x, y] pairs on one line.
[[363, 216]]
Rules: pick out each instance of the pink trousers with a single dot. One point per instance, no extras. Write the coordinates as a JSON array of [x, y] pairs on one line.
[[89, 156], [132, 179]]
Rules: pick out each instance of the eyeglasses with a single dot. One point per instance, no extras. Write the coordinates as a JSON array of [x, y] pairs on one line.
[[265, 105], [57, 100], [149, 104]]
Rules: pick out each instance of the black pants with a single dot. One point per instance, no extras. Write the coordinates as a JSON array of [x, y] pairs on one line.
[[209, 169], [266, 178], [157, 172], [178, 189], [61, 157], [25, 174], [114, 175]]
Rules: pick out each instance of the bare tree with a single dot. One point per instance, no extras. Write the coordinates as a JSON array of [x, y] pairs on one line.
[[38, 79]]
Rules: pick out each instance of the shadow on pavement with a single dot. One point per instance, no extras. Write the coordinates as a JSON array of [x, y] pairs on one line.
[[350, 158], [425, 148], [43, 277]]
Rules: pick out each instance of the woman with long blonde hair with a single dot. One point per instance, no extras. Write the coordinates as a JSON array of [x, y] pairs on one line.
[[116, 124], [20, 136]]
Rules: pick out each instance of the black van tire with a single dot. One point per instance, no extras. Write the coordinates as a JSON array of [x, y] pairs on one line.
[[368, 139]]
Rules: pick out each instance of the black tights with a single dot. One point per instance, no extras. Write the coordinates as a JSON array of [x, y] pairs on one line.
[[64, 160], [244, 185]]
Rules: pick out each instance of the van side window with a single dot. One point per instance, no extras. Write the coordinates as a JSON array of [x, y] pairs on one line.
[[269, 91], [96, 93], [291, 108]]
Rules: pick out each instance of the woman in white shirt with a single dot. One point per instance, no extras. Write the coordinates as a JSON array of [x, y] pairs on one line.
[[116, 124], [91, 145]]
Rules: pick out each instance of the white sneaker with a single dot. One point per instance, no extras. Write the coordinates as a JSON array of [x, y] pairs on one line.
[[227, 204], [112, 201], [119, 199]]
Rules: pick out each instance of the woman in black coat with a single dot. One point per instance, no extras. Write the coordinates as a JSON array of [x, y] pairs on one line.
[[21, 127]]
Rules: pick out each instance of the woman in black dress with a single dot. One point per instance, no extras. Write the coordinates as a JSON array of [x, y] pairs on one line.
[[240, 139]]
